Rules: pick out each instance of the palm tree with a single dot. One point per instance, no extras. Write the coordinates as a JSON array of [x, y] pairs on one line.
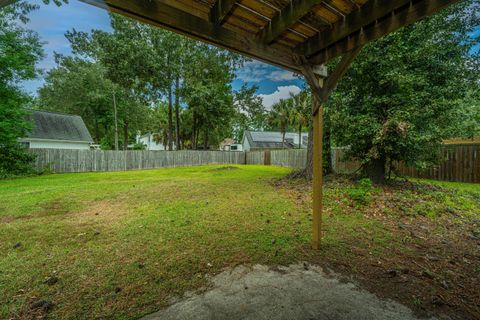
[[281, 117], [301, 112]]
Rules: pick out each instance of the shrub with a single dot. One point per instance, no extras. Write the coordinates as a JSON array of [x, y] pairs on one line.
[[15, 161], [362, 194]]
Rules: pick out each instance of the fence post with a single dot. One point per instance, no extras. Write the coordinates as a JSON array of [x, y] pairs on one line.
[[267, 158]]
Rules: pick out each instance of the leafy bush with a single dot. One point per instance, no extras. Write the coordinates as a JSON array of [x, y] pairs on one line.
[[139, 146], [362, 194], [15, 161]]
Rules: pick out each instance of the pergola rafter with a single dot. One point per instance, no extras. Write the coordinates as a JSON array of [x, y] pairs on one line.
[[286, 18], [297, 35]]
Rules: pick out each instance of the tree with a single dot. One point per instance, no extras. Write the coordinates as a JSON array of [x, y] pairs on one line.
[[250, 112], [208, 94], [21, 50], [81, 87], [281, 117], [302, 114], [401, 106]]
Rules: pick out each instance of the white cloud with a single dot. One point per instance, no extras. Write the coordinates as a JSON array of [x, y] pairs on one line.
[[255, 71], [282, 92], [282, 75]]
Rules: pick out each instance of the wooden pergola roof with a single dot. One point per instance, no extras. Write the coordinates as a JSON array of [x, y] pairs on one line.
[[278, 31]]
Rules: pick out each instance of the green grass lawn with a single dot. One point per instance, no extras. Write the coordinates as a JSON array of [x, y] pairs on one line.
[[122, 244]]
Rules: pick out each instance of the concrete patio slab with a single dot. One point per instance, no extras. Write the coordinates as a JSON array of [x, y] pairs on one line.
[[297, 292]]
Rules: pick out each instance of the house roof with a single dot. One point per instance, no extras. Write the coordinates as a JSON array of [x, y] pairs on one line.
[[58, 126], [272, 140]]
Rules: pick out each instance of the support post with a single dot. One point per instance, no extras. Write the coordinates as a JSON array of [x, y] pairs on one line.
[[321, 89], [317, 174]]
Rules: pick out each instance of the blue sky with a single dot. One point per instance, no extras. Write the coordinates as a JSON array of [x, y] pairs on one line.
[[51, 23]]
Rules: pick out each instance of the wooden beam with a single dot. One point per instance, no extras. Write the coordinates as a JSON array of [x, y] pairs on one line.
[[398, 20], [311, 78], [366, 14], [220, 11], [285, 19], [339, 71], [322, 92], [159, 13], [317, 175]]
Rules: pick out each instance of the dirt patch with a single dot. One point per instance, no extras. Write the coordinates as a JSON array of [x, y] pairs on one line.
[[431, 262], [9, 219], [228, 168], [103, 212], [46, 209]]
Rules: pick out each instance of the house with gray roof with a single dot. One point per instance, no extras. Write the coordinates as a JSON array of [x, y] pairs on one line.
[[264, 140], [53, 130]]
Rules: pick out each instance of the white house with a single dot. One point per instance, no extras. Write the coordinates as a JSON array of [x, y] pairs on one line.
[[260, 140], [150, 143], [53, 130], [230, 145]]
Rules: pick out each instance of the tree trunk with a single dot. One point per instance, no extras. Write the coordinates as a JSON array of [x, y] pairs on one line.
[[300, 137], [205, 140], [194, 131], [125, 136], [170, 118], [177, 112], [116, 120], [97, 131], [327, 149], [309, 165], [375, 170]]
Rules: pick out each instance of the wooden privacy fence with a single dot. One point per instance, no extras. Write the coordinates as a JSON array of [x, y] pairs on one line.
[[459, 163], [62, 160], [292, 158]]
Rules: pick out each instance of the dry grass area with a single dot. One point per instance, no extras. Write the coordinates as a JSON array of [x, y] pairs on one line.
[[123, 244]]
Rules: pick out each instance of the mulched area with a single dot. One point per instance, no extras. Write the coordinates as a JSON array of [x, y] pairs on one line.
[[431, 265]]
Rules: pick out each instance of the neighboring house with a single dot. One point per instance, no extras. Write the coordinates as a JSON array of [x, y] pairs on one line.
[[53, 130], [225, 143], [150, 143], [256, 140], [230, 145]]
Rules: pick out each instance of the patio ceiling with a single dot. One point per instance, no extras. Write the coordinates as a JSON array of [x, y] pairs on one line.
[[279, 31]]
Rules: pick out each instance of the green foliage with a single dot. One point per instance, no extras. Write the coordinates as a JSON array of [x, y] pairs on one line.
[[14, 161], [250, 112], [407, 92], [208, 94], [138, 146], [145, 72], [292, 114], [302, 112], [82, 86], [20, 50], [362, 193], [280, 116]]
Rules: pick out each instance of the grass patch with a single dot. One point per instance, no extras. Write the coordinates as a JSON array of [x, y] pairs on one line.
[[123, 243]]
